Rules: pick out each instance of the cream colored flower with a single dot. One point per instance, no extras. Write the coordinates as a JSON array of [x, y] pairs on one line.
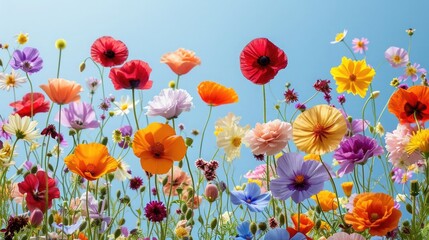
[[121, 172], [230, 136], [22, 128], [12, 80], [225, 218], [5, 155]]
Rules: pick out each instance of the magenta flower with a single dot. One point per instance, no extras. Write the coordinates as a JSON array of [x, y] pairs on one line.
[[78, 116], [27, 60], [356, 150], [412, 71], [397, 57], [298, 179], [360, 45], [170, 103], [155, 211]]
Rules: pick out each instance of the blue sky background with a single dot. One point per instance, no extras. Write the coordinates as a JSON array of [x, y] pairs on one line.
[[217, 31]]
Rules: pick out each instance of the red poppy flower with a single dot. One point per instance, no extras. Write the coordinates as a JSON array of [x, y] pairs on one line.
[[261, 60], [34, 185], [109, 52], [23, 107], [411, 104], [132, 75]]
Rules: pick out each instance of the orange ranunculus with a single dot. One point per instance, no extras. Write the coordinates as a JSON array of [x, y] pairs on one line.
[[158, 146], [91, 161], [305, 223], [215, 94], [181, 61], [327, 200], [373, 211], [62, 91], [407, 103], [347, 188]]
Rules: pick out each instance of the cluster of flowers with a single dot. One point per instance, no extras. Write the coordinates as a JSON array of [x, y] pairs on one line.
[[86, 177]]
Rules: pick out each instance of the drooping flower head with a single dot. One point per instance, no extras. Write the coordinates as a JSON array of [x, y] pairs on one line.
[[181, 61], [35, 186], [155, 211], [251, 197], [319, 129], [158, 146], [37, 104], [27, 60], [397, 57], [373, 211], [297, 178], [170, 103], [412, 71], [353, 76], [215, 94], [91, 161], [360, 45], [78, 116], [261, 60], [268, 138], [339, 37], [21, 127], [410, 104], [62, 91], [109, 52], [356, 150], [12, 80], [133, 74]]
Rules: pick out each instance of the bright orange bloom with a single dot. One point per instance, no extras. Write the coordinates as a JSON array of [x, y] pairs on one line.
[[305, 223], [407, 103], [373, 211], [158, 146], [62, 91], [82, 236], [327, 200], [91, 161], [347, 188], [181, 61], [215, 94]]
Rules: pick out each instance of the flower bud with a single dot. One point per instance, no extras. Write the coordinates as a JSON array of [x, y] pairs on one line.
[[36, 217], [347, 188], [414, 188], [211, 192], [253, 228], [409, 208], [189, 141], [82, 67], [375, 94], [213, 224], [262, 226], [282, 219], [172, 84], [189, 214]]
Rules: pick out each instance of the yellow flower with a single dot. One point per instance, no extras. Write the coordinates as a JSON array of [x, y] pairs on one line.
[[314, 157], [347, 188], [339, 37], [353, 76], [419, 141], [257, 181], [326, 200], [60, 44], [181, 232], [22, 38], [324, 226]]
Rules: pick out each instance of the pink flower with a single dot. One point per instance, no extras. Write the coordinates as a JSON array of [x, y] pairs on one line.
[[395, 145], [16, 195], [360, 45], [179, 179], [268, 138], [412, 71], [346, 236], [397, 57]]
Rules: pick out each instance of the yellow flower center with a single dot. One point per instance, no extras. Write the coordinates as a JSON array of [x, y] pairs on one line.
[[157, 149], [299, 179], [360, 44], [236, 142], [373, 217], [10, 80], [411, 71], [339, 37], [124, 107], [396, 59], [352, 77]]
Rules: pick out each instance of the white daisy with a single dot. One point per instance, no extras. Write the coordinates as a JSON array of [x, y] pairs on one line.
[[11, 80], [124, 106], [22, 128], [121, 172]]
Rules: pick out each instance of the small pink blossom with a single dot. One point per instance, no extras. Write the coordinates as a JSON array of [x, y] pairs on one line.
[[360, 45], [346, 236], [395, 145]]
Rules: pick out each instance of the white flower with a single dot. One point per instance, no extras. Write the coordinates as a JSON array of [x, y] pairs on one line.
[[339, 37], [124, 106], [401, 198], [22, 128], [229, 135], [11, 80], [169, 103], [121, 172], [225, 218], [93, 84]]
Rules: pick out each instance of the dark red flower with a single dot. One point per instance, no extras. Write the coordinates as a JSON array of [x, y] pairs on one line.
[[109, 52], [50, 131], [261, 60], [155, 211], [291, 96], [132, 75], [23, 107], [35, 185], [136, 183]]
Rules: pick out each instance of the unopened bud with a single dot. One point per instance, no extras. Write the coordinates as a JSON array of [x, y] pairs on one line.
[[414, 188], [82, 67], [172, 84], [253, 228], [282, 219], [213, 224], [189, 141], [211, 192], [375, 94], [262, 226], [36, 217]]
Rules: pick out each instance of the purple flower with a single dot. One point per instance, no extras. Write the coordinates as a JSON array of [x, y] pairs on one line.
[[94, 211], [341, 99], [252, 197], [78, 116], [355, 126], [282, 234], [170, 103], [401, 176], [298, 179], [397, 57], [412, 71], [3, 133], [126, 130], [27, 60], [356, 150], [68, 230]]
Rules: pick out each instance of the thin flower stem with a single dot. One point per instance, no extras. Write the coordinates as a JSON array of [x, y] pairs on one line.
[[351, 51], [31, 95], [87, 210], [134, 109], [59, 64], [204, 131], [265, 103], [305, 102], [177, 81], [58, 142]]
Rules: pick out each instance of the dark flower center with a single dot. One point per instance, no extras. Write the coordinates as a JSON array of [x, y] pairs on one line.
[[109, 54], [319, 132], [300, 183], [134, 83], [157, 149], [263, 61], [417, 109], [78, 122], [26, 66], [352, 77]]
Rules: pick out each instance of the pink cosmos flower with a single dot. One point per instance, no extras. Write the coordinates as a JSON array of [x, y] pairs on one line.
[[346, 236], [268, 138], [360, 45], [401, 176], [397, 57], [179, 179], [412, 71], [395, 145]]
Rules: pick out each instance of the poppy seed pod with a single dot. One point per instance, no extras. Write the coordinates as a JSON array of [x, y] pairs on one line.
[[211, 192]]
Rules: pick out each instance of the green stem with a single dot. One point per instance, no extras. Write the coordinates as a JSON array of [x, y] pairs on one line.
[[177, 81], [265, 103], [31, 96], [134, 109], [59, 64], [58, 142], [354, 56], [204, 131]]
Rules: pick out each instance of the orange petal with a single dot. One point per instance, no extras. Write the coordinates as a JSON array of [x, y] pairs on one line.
[[155, 165], [174, 148]]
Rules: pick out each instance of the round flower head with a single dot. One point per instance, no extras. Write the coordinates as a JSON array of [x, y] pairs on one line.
[[132, 75], [60, 44], [178, 179], [411, 104], [419, 142], [181, 61], [109, 52], [397, 57], [78, 116], [215, 94], [327, 200], [261, 60], [319, 129], [360, 45], [21, 127], [297, 178], [353, 76], [170, 103], [12, 80], [37, 102], [27, 60], [373, 211], [62, 91], [251, 197], [155, 211]]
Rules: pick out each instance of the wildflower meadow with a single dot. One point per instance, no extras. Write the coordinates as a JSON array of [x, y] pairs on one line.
[[96, 153]]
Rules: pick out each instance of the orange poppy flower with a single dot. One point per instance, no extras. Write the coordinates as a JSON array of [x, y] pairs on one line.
[[373, 211], [215, 94], [91, 161], [305, 223], [327, 200], [181, 61], [404, 104], [62, 91], [158, 146]]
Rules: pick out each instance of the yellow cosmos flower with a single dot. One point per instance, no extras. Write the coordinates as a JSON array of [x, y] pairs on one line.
[[419, 141], [353, 76]]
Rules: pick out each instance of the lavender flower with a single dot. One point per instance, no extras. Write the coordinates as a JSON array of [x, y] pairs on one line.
[[412, 71], [252, 197], [27, 60], [94, 212], [298, 179], [68, 230], [78, 116], [126, 130], [170, 103], [356, 150], [93, 84], [282, 234], [397, 57]]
